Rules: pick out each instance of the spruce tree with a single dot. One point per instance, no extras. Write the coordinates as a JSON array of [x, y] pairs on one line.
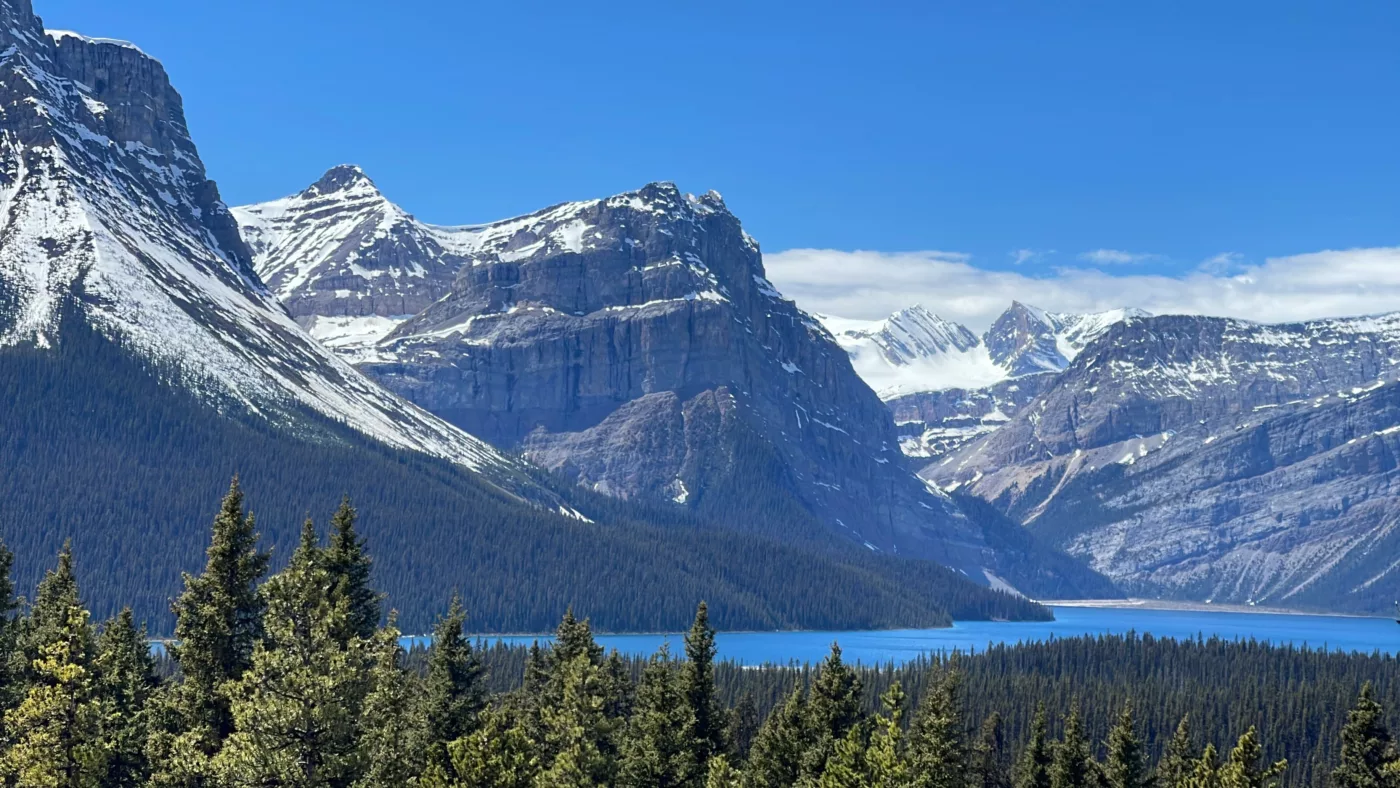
[[720, 774], [127, 682], [833, 709], [987, 764], [885, 765], [55, 733], [743, 725], [296, 707], [1245, 768], [1033, 770], [1178, 760], [1072, 765], [1126, 766], [580, 734], [1205, 770], [349, 567], [937, 751], [387, 747], [776, 758], [1367, 747], [498, 754], [218, 619], [846, 767], [48, 620], [698, 679], [661, 743], [453, 689]]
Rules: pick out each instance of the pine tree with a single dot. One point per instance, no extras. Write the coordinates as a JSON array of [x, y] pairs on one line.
[[776, 758], [1126, 766], [218, 619], [55, 733], [349, 567], [1244, 767], [580, 734], [1366, 746], [833, 709], [126, 681], [743, 725], [1177, 760], [498, 754], [1073, 764], [720, 774], [1205, 770], [387, 749], [661, 742], [453, 691], [698, 679], [48, 619], [884, 758], [987, 764], [937, 751], [297, 705], [846, 767], [1033, 770]]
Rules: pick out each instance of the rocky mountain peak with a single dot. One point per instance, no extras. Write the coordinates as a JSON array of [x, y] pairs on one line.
[[340, 178]]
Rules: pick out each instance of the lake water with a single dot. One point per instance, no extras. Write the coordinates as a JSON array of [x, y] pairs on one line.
[[900, 645]]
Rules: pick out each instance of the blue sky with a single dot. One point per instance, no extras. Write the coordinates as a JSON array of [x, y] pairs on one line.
[[1021, 137]]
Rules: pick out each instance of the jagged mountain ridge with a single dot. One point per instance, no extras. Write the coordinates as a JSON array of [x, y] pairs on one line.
[[1212, 458], [633, 344], [946, 385], [105, 207], [143, 363]]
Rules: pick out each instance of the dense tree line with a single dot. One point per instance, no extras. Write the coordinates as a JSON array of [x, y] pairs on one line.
[[141, 461], [298, 678]]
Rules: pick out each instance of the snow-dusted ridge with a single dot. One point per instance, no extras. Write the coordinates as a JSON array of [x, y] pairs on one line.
[[106, 214], [915, 350]]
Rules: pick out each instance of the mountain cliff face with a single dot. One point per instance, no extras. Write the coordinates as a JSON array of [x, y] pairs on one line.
[[1212, 458], [106, 213], [633, 345]]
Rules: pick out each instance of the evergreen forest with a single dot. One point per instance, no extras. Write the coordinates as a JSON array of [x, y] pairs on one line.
[[298, 677]]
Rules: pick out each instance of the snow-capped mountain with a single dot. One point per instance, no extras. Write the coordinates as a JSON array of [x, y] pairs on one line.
[[106, 215], [1213, 458], [915, 351], [946, 385], [631, 343]]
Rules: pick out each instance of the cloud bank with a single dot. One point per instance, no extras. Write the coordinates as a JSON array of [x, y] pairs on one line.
[[871, 285]]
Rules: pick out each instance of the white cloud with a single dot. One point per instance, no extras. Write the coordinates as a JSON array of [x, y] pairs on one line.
[[871, 285], [1116, 257], [1025, 256]]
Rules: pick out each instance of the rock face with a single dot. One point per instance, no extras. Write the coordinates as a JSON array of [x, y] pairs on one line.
[[634, 345], [1212, 458], [107, 216], [948, 386]]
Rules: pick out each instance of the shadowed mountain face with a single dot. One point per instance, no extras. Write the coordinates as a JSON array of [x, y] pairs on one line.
[[632, 344], [1212, 458]]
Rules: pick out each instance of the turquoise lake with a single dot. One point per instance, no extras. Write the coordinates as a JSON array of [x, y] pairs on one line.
[[899, 645]]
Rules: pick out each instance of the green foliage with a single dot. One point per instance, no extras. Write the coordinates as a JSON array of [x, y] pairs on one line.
[[1072, 765], [937, 750], [388, 745], [987, 764], [1368, 751], [127, 681], [1034, 769], [698, 684], [453, 694], [1126, 766], [661, 747]]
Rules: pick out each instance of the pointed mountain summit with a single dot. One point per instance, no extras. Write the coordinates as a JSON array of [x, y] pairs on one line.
[[634, 345]]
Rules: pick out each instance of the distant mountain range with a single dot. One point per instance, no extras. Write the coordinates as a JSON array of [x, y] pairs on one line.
[[1188, 457]]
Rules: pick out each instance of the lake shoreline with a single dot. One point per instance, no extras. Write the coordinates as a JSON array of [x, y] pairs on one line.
[[1133, 603]]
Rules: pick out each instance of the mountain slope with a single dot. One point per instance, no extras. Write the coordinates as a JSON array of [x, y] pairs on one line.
[[633, 345], [946, 385], [143, 362], [1212, 458]]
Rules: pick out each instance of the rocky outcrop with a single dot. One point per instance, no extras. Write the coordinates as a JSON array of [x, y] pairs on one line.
[[634, 345], [1211, 458]]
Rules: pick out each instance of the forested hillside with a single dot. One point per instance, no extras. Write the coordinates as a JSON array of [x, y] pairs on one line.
[[295, 679], [98, 447]]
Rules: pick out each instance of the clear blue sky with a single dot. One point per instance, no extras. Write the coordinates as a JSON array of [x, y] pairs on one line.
[[1180, 129]]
